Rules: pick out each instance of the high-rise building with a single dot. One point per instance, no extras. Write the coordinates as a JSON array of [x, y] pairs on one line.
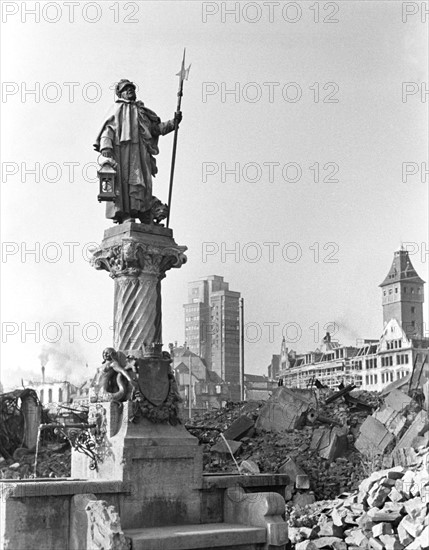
[[212, 328], [403, 295]]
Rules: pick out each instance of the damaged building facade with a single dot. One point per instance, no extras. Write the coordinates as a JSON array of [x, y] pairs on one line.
[[401, 349], [200, 388]]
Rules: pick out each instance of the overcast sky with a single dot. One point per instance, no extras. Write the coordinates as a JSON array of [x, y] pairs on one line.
[[328, 105]]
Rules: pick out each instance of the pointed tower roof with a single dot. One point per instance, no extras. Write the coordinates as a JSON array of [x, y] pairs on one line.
[[402, 270]]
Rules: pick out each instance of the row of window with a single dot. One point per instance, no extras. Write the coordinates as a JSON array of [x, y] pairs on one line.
[[192, 328], [372, 379], [401, 359], [394, 344], [386, 377], [411, 291], [42, 396], [192, 318]]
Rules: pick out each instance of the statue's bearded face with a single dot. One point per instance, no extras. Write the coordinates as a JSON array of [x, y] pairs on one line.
[[129, 93]]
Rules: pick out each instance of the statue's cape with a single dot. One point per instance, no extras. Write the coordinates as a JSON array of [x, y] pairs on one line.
[[123, 120]]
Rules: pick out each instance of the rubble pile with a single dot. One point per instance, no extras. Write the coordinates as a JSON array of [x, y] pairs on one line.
[[23, 421], [326, 441], [248, 429], [54, 460], [390, 511]]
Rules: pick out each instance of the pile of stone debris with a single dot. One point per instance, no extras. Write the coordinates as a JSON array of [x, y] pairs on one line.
[[390, 511], [54, 460], [22, 421], [326, 441]]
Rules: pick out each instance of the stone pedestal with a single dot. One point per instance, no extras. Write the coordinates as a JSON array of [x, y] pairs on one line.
[[160, 464], [137, 257]]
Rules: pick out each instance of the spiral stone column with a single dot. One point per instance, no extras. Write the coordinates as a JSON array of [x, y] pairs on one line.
[[137, 257], [137, 312]]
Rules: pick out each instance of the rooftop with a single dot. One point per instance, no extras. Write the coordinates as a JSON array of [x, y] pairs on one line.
[[401, 270]]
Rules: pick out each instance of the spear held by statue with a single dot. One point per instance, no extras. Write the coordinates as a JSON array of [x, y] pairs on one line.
[[183, 75]]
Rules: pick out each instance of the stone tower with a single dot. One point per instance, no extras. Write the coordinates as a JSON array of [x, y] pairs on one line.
[[403, 295]]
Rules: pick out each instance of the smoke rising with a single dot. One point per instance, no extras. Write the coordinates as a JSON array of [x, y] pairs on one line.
[[63, 360]]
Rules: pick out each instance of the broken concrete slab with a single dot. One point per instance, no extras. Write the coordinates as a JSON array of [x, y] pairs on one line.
[[413, 526], [327, 542], [374, 437], [395, 495], [377, 515], [331, 443], [285, 410], [392, 419], [356, 538], [382, 529], [415, 507], [417, 428], [302, 481], [404, 537], [329, 529], [339, 517], [405, 456], [397, 400], [391, 542], [239, 428], [319, 436], [309, 533], [292, 469], [378, 498], [337, 445], [303, 499]]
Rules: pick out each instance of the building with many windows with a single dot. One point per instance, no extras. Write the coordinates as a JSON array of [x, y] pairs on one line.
[[212, 328], [400, 351]]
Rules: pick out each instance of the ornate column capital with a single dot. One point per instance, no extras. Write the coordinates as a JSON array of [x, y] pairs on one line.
[[134, 258]]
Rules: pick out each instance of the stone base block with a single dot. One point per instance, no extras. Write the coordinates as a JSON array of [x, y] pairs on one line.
[[160, 463]]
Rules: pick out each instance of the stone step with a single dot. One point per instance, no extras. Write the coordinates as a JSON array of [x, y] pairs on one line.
[[187, 537]]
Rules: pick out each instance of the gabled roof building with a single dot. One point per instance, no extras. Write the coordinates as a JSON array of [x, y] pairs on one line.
[[402, 349]]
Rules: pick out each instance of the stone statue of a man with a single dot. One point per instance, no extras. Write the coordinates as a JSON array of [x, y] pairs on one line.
[[130, 135]]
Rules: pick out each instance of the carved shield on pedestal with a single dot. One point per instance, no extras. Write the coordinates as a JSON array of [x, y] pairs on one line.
[[153, 380]]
